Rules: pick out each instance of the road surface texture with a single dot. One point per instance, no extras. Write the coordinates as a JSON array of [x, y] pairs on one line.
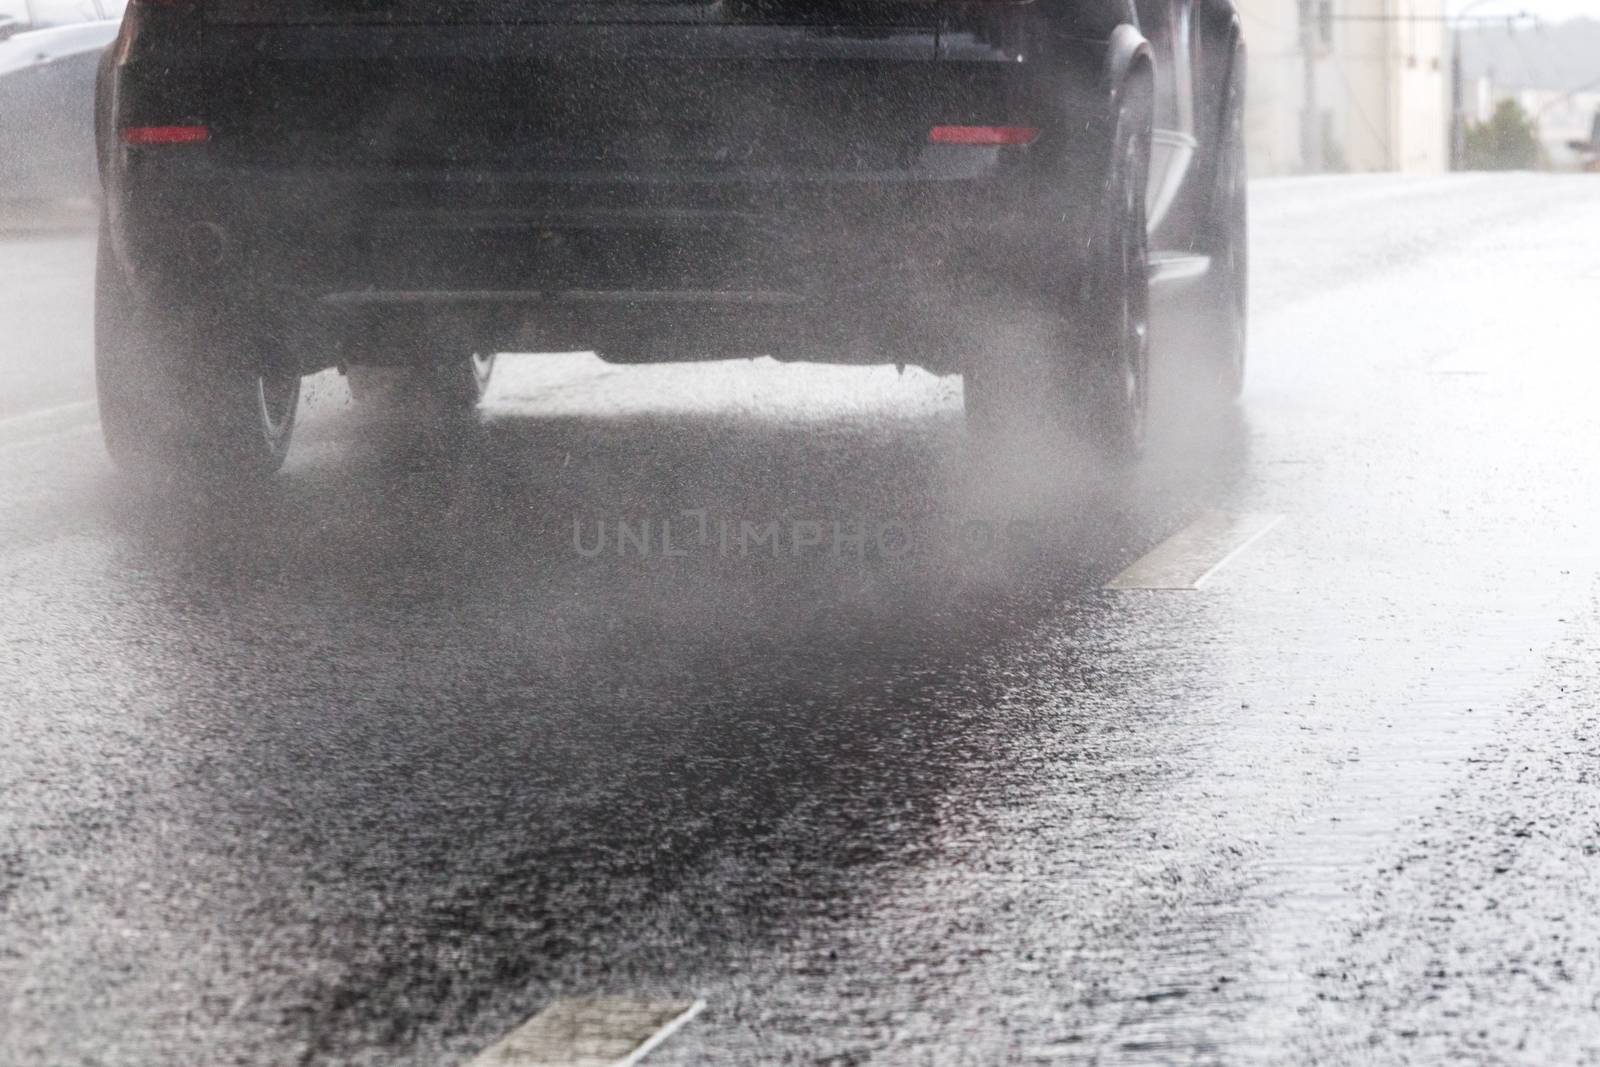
[[374, 766]]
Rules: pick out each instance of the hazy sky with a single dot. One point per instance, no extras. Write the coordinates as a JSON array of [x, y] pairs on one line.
[[1553, 10]]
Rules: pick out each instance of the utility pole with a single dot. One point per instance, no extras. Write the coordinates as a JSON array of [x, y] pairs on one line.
[[1458, 103], [1311, 116]]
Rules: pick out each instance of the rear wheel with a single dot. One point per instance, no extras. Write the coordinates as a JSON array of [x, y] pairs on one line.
[[176, 394], [1110, 391], [1085, 375]]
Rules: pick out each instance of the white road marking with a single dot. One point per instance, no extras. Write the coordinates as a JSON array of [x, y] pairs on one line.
[[47, 438], [45, 414], [1189, 558], [589, 1032]]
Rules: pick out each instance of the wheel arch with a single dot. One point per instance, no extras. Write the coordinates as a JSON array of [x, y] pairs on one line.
[[1130, 66]]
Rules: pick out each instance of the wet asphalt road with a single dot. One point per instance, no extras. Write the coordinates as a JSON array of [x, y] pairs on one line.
[[372, 767]]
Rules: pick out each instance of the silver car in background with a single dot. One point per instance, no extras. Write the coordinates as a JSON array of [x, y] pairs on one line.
[[48, 53]]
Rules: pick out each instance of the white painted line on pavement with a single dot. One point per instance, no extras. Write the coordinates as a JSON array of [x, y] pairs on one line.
[[43, 414], [589, 1032], [47, 438], [46, 425], [1189, 558]]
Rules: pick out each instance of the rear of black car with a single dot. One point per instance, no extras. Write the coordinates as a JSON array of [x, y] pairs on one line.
[[659, 179]]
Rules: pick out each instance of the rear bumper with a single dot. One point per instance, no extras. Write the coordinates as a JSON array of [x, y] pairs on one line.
[[852, 270], [823, 199]]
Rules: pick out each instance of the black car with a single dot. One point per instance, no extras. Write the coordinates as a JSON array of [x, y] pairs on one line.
[[989, 187]]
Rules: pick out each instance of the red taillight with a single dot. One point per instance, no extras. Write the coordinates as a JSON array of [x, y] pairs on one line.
[[988, 136], [165, 135]]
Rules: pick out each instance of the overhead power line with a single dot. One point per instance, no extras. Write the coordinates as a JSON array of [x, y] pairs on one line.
[[1451, 20]]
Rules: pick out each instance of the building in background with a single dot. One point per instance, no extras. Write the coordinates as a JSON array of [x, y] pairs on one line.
[[1375, 97]]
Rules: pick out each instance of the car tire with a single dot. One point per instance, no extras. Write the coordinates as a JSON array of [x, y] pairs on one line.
[[1084, 380], [173, 399], [1221, 312], [1109, 398]]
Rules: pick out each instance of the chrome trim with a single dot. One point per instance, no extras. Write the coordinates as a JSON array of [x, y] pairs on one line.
[[1176, 267], [1180, 149]]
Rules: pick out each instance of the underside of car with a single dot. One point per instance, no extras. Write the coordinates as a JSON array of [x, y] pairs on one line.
[[297, 185]]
